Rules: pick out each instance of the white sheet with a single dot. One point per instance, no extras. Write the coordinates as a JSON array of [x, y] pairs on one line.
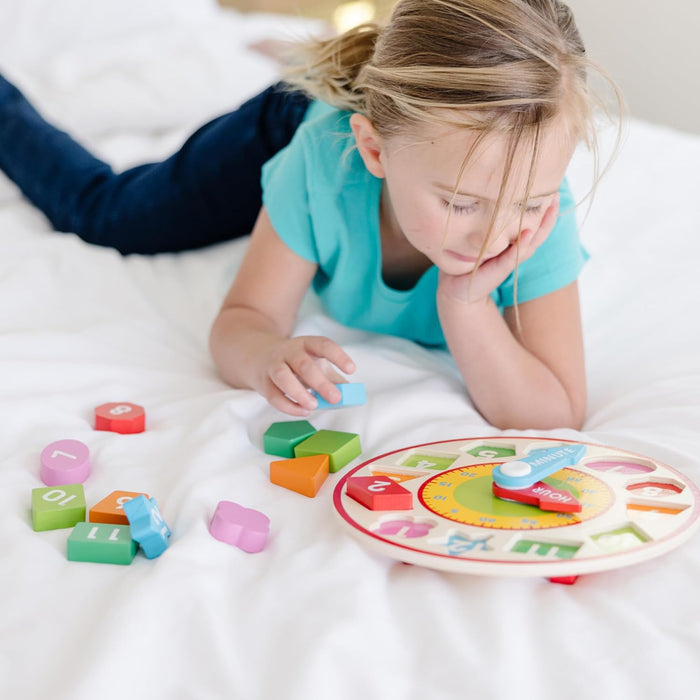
[[313, 615]]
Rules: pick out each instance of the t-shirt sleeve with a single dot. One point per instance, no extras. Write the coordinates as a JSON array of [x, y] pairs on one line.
[[555, 264], [286, 198]]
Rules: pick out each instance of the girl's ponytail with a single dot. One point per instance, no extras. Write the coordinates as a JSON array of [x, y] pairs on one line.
[[329, 69]]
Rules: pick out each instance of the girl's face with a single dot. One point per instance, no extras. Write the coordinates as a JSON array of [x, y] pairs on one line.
[[421, 177]]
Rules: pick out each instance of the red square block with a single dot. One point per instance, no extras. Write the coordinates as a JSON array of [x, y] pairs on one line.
[[379, 493]]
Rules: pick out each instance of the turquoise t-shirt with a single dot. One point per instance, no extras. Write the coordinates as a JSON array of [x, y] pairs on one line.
[[324, 204]]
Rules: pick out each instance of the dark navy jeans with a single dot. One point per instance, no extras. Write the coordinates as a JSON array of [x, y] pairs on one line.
[[207, 192]]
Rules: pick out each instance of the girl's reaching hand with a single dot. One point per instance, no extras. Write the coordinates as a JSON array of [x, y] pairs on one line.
[[293, 366], [476, 286]]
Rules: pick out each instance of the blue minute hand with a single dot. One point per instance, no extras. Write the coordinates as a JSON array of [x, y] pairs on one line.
[[537, 465]]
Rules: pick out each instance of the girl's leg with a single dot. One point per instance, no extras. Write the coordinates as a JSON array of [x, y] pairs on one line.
[[207, 192]]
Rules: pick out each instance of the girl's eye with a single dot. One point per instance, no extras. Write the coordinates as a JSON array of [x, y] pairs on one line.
[[461, 209], [532, 208]]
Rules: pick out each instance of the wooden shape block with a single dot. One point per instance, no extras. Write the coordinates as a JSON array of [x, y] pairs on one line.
[[351, 394], [242, 527], [111, 508], [281, 438], [65, 462], [102, 543], [301, 474], [379, 493], [340, 447], [147, 525], [125, 418], [566, 580], [542, 495], [57, 507]]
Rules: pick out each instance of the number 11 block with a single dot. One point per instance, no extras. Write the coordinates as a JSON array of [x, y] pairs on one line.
[[102, 543]]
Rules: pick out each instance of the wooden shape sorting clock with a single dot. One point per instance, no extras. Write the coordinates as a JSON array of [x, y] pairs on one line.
[[632, 509]]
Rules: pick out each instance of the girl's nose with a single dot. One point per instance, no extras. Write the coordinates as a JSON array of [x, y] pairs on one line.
[[504, 231]]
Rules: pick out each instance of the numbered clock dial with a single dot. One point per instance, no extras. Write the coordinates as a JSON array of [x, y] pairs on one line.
[[433, 505]]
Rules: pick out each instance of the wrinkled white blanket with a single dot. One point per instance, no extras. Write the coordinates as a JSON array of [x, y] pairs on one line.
[[314, 615]]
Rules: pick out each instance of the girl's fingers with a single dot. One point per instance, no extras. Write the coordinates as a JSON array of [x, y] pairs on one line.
[[312, 376], [282, 403], [325, 348], [286, 381]]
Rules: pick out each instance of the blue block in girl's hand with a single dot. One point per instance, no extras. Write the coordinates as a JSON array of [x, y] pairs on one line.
[[351, 394], [147, 525]]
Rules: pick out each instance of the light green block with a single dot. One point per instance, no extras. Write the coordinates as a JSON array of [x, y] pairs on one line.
[[57, 507], [104, 543], [491, 451], [546, 549], [340, 447], [281, 438], [423, 461]]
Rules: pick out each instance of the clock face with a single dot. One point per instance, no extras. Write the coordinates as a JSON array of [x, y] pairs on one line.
[[632, 509]]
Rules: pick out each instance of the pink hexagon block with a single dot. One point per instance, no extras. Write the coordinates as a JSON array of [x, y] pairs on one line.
[[245, 528], [65, 462]]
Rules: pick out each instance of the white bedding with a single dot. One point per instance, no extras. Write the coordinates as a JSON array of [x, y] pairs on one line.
[[314, 615]]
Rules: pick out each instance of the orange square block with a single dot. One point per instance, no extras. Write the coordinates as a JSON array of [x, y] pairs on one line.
[[301, 474], [111, 508]]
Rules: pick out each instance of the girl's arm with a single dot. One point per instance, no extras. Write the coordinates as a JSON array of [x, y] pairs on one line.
[[532, 377], [529, 379], [250, 340]]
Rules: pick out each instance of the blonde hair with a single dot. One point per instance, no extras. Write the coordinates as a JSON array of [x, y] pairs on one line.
[[506, 67]]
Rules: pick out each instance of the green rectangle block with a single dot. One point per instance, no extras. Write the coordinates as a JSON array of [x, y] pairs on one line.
[[104, 543], [340, 447], [57, 507]]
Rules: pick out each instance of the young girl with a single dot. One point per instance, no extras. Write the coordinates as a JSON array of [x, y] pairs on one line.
[[422, 194]]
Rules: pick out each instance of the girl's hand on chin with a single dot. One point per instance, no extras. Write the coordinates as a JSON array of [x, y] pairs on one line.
[[476, 286]]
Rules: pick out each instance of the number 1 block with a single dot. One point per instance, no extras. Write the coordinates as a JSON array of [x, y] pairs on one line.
[[57, 507], [379, 493], [102, 543]]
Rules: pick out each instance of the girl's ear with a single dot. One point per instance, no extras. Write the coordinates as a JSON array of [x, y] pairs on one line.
[[368, 143]]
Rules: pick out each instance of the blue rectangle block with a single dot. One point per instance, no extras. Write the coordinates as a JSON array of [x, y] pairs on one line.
[[351, 394]]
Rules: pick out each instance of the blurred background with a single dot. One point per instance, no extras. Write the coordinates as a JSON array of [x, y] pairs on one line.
[[650, 49]]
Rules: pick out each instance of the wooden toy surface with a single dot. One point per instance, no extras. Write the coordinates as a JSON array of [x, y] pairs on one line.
[[633, 509]]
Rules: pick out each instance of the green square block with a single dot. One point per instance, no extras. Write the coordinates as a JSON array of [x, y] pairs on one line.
[[340, 447], [104, 543], [281, 438], [57, 507]]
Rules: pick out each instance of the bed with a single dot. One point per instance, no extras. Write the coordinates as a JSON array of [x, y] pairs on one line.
[[315, 614]]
